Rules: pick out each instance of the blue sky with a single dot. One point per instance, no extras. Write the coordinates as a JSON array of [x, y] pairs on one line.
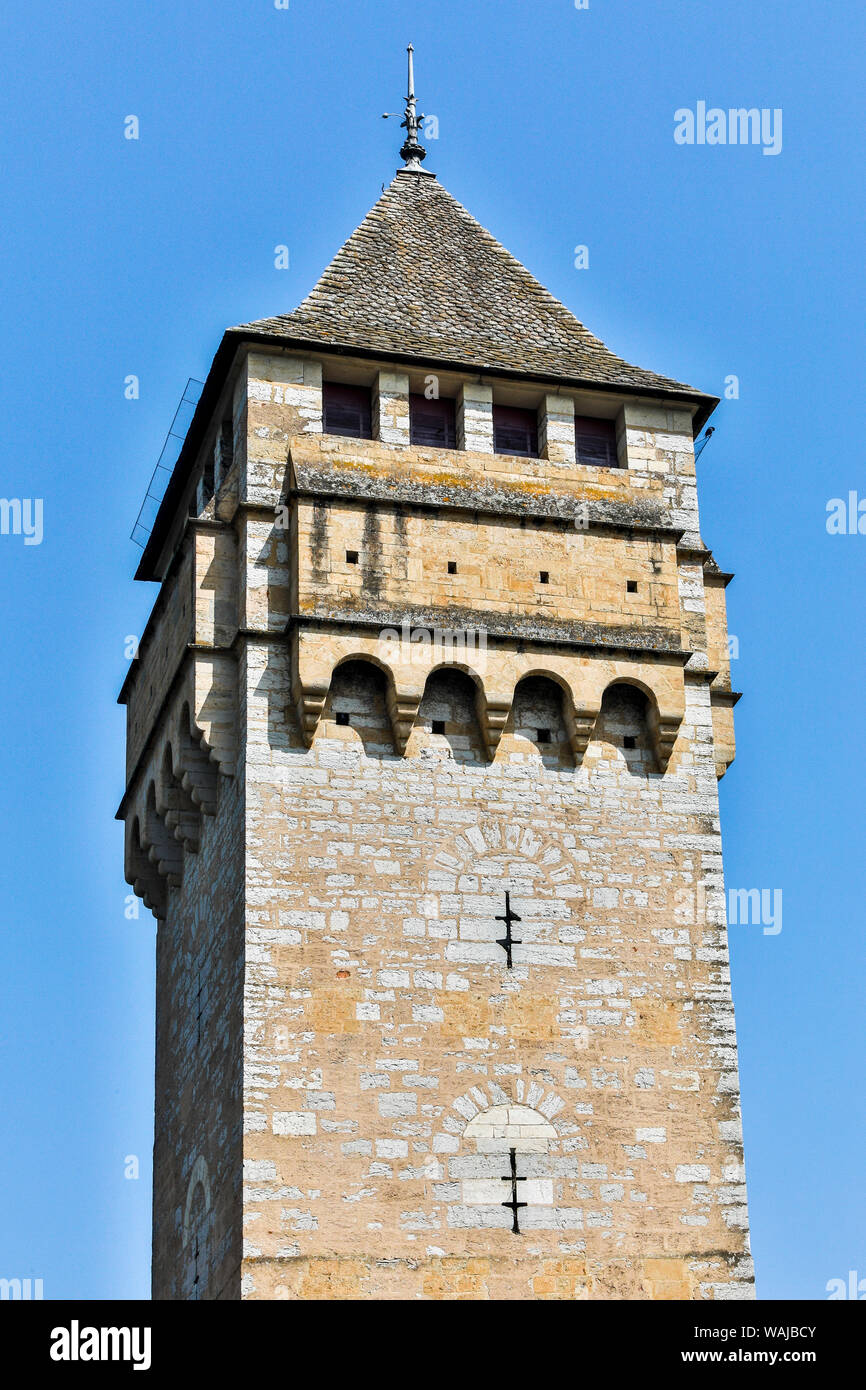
[[261, 127]]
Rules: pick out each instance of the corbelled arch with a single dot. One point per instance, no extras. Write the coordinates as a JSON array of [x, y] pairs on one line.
[[314, 660], [662, 725], [140, 872], [371, 703], [174, 803], [496, 672], [454, 692], [164, 807], [542, 704], [163, 850], [196, 766]]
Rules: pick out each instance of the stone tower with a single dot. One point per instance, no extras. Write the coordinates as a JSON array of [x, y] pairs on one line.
[[423, 745]]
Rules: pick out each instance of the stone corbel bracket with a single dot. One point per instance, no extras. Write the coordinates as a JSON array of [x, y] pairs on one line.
[[309, 701], [492, 711], [141, 874], [180, 813], [664, 726], [196, 769], [213, 724], [402, 711], [174, 787], [580, 721]]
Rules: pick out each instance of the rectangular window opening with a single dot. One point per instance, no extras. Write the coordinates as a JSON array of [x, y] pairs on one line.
[[341, 717], [347, 410], [543, 735], [595, 442], [452, 566], [438, 726], [515, 431], [630, 741], [631, 586], [351, 557], [432, 424], [544, 577]]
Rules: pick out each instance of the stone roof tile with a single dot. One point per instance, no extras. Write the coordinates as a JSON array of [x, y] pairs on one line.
[[420, 277]]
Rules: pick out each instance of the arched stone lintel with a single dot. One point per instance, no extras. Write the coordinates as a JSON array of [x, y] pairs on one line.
[[510, 1126]]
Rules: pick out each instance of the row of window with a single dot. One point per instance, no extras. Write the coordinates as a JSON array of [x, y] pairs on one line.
[[347, 410]]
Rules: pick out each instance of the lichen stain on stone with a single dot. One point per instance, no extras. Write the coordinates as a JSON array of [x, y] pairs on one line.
[[371, 555], [319, 540]]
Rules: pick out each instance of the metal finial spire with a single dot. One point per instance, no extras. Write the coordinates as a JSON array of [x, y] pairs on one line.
[[412, 151]]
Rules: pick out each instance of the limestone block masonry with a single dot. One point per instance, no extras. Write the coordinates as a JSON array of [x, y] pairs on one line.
[[359, 716]]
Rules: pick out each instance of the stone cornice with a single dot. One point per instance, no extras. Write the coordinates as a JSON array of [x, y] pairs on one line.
[[419, 494], [504, 629]]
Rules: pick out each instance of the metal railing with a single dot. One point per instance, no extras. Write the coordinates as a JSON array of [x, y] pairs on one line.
[[168, 457]]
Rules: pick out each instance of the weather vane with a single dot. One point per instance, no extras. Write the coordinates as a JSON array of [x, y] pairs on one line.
[[412, 152]]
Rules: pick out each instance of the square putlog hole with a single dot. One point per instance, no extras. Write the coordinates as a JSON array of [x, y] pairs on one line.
[[542, 735], [452, 566], [341, 717], [544, 577], [437, 726], [630, 741], [631, 586], [351, 557]]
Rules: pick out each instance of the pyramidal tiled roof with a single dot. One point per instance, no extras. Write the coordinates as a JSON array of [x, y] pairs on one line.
[[421, 278]]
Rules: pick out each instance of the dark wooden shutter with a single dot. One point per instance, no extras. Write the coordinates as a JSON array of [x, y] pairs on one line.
[[515, 431], [595, 442], [347, 410], [433, 423]]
